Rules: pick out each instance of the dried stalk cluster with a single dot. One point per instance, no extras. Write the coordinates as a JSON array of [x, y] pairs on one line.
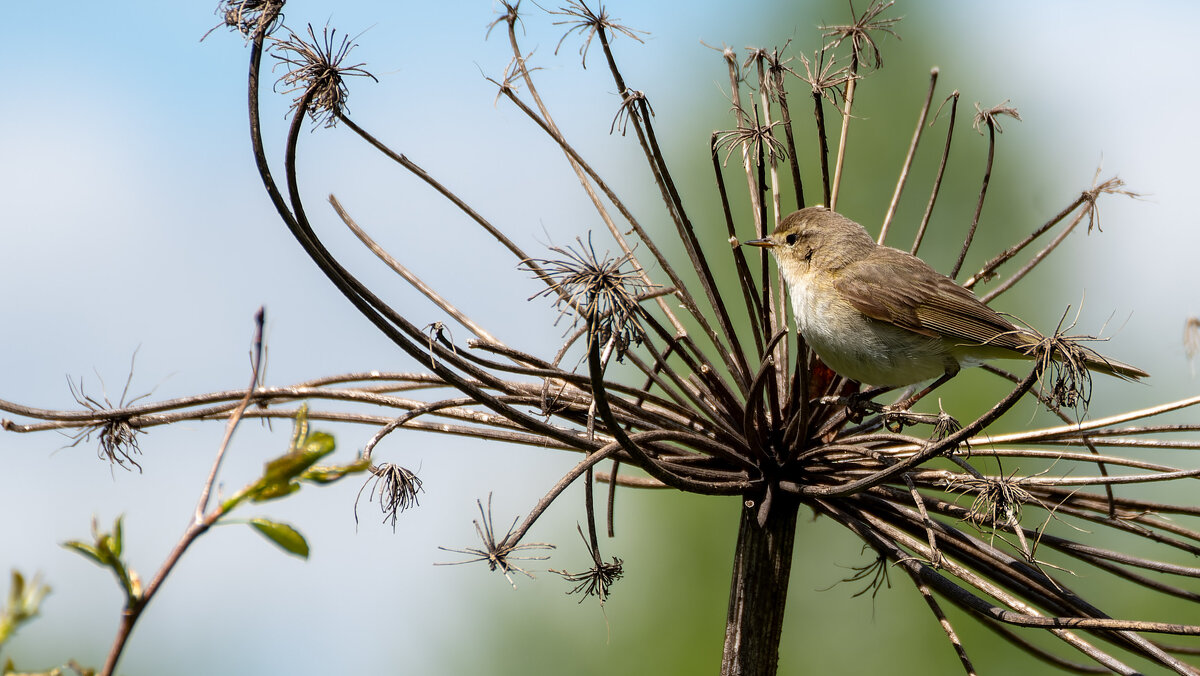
[[736, 406]]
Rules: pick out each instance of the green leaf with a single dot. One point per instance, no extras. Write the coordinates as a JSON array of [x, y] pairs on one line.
[[319, 443], [118, 537], [87, 550], [106, 551], [273, 491], [324, 475], [293, 463], [283, 535]]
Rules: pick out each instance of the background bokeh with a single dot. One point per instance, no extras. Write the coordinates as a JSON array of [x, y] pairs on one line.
[[131, 220]]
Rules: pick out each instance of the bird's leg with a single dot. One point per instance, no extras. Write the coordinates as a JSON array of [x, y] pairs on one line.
[[858, 403]]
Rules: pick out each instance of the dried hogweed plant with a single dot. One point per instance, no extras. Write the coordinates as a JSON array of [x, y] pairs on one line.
[[717, 396]]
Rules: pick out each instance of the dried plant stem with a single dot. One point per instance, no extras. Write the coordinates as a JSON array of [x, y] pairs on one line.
[[639, 116], [927, 451], [739, 115], [847, 105], [408, 276], [681, 334], [822, 147], [937, 181], [1037, 258], [793, 158], [983, 188], [908, 159], [420, 173], [389, 322], [989, 268], [754, 309], [547, 122], [201, 521], [765, 103], [944, 621], [761, 569], [886, 537]]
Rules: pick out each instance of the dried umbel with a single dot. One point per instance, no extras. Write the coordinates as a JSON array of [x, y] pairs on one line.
[[316, 69], [252, 18], [719, 396]]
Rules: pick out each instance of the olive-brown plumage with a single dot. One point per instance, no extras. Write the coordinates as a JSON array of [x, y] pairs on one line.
[[882, 316]]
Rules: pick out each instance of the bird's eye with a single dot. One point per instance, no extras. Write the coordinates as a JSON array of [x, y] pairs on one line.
[[791, 238]]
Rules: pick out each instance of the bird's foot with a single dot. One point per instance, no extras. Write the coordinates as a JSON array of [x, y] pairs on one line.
[[895, 418], [857, 404]]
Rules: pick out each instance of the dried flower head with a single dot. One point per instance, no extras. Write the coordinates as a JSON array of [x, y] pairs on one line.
[[826, 81], [1112, 186], [1066, 365], [597, 580], [998, 501], [497, 554], [775, 68], [592, 23], [875, 573], [631, 101], [397, 488], [859, 33], [252, 18], [991, 117], [510, 16], [759, 141], [316, 69], [598, 291], [116, 432]]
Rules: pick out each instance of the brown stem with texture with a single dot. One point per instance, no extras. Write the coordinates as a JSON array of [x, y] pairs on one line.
[[757, 597]]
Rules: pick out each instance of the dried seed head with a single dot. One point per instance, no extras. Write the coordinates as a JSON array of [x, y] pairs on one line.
[[252, 18], [601, 294], [497, 554], [863, 47], [117, 434], [315, 69], [758, 139], [991, 116], [631, 101], [776, 67], [590, 22], [826, 81], [1112, 186], [594, 581], [397, 488]]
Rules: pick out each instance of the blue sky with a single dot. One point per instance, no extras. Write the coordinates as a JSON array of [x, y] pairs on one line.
[[132, 220]]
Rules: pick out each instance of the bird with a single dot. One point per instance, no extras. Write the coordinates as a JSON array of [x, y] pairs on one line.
[[884, 317]]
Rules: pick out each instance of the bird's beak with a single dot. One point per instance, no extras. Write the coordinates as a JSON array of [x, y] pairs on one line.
[[765, 243]]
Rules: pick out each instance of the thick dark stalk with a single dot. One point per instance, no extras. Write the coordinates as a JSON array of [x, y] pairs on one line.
[[762, 564], [746, 282], [640, 117], [793, 160], [639, 455], [823, 147]]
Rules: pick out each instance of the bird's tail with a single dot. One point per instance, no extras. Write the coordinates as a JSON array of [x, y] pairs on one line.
[[1098, 363], [1031, 343]]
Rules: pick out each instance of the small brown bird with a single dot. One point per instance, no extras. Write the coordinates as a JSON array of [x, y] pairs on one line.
[[882, 316]]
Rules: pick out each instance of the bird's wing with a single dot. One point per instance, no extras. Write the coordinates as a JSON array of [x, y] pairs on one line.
[[899, 288]]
